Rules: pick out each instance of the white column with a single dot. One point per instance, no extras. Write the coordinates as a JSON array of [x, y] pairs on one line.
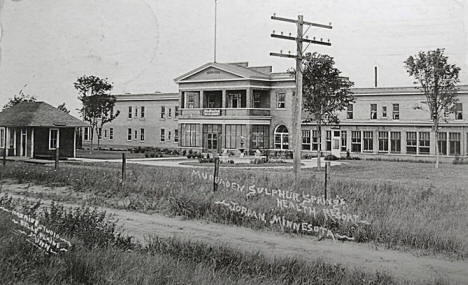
[[74, 142], [32, 142]]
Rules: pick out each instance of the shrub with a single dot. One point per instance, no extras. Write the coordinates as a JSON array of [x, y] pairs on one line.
[[331, 157]]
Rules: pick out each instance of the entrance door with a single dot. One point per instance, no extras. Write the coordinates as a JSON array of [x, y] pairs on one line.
[[336, 144], [24, 142], [211, 138]]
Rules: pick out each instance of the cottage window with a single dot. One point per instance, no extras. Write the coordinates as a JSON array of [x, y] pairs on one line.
[[2, 137], [306, 139], [328, 141], [169, 113], [111, 133], [142, 111], [136, 112], [176, 135], [163, 135], [53, 138], [315, 140], [176, 111], [142, 134], [384, 111], [163, 112]]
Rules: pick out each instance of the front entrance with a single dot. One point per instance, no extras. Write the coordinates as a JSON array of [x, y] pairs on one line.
[[212, 138], [23, 142], [336, 143]]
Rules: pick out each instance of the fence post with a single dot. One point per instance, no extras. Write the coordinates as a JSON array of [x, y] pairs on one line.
[[57, 153], [327, 174], [124, 162], [215, 175]]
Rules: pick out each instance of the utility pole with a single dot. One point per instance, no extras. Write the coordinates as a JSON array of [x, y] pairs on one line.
[[297, 97]]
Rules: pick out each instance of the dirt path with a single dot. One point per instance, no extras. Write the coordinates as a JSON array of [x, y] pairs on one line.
[[401, 265]]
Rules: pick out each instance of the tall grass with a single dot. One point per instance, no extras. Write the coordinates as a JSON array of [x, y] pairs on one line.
[[400, 216], [163, 261]]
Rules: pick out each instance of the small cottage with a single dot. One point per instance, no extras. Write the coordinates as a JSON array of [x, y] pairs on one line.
[[36, 129]]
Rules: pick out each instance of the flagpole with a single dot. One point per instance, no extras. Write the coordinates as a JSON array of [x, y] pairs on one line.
[[216, 4]]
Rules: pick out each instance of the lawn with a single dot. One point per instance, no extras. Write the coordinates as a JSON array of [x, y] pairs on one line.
[[408, 205], [107, 154], [100, 255]]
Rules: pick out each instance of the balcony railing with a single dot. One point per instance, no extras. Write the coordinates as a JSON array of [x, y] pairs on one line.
[[223, 112]]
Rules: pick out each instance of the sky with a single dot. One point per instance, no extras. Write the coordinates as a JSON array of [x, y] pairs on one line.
[[142, 45]]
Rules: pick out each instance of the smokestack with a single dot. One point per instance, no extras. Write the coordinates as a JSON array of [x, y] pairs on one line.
[[375, 76]]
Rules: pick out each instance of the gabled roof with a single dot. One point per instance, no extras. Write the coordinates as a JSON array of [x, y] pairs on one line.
[[37, 114], [239, 70]]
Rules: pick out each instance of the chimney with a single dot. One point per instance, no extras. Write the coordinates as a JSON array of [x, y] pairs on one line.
[[375, 76]]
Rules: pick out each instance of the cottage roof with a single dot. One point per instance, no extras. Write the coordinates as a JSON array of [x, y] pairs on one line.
[[37, 114]]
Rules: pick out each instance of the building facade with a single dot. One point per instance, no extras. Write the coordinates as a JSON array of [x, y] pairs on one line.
[[145, 120], [233, 107]]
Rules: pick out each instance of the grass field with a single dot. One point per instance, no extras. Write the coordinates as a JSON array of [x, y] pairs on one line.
[[100, 255], [408, 205]]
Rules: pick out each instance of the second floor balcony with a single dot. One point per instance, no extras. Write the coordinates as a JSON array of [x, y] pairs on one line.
[[223, 112]]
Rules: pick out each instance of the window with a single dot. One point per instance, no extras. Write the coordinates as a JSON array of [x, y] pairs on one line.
[[260, 137], [442, 143], [129, 135], [383, 141], [454, 143], [424, 142], [130, 112], [163, 135], [395, 142], [234, 100], [328, 140], [192, 100], [315, 140], [136, 112], [306, 139], [349, 112], [281, 137], [136, 135], [411, 142], [169, 113], [53, 138], [384, 111], [396, 111], [163, 112], [12, 140], [280, 100], [100, 133], [176, 111], [176, 135], [142, 134], [458, 111], [189, 134], [86, 134], [368, 141], [105, 134], [142, 111], [356, 141], [344, 141], [169, 135], [111, 133], [373, 111]]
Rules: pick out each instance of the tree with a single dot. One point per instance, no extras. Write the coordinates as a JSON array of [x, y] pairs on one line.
[[437, 79], [18, 98], [63, 108], [325, 93], [97, 104]]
